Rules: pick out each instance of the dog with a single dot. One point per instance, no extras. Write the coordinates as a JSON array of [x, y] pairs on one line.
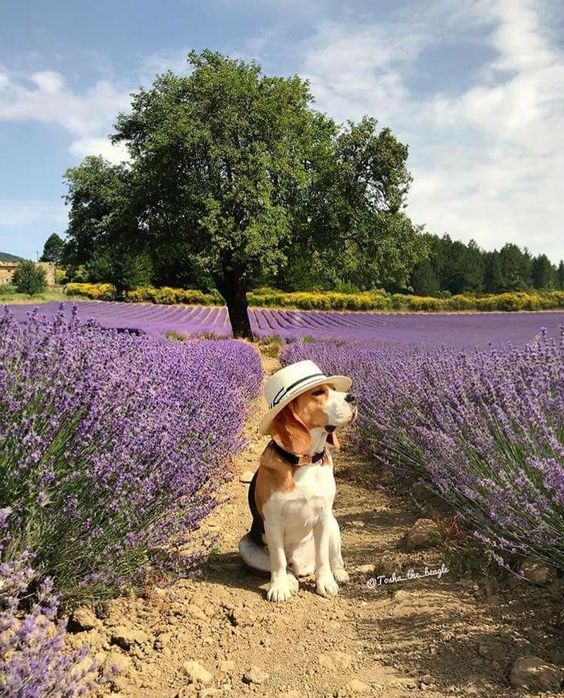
[[294, 532]]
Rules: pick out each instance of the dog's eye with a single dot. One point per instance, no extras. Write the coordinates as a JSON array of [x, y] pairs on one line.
[[318, 392]]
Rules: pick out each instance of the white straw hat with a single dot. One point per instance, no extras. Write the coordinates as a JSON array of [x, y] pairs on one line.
[[291, 381]]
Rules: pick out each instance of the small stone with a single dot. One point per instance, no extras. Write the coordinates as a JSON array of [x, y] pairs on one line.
[[126, 637], [536, 675], [82, 619], [162, 640], [353, 524], [118, 662], [366, 569], [536, 572], [227, 666], [240, 617], [196, 673], [246, 476], [197, 612], [423, 534], [335, 660], [255, 675], [491, 650], [357, 686], [209, 693]]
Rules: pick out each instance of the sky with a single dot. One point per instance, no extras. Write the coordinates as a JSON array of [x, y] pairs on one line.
[[474, 87]]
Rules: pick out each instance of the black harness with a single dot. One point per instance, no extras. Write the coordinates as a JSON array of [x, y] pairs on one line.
[[257, 527]]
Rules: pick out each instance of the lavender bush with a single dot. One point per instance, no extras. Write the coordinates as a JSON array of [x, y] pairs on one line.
[[112, 446], [34, 662], [485, 430]]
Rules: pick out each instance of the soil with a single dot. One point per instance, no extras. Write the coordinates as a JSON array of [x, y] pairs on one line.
[[457, 635]]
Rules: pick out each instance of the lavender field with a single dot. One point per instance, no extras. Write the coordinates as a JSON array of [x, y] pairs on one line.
[[466, 330]]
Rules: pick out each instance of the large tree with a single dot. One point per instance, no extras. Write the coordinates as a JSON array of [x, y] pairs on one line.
[[543, 274], [234, 176], [53, 249]]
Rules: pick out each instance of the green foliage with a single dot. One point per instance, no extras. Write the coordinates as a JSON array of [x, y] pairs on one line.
[[175, 336], [235, 180], [458, 268], [515, 268], [424, 279], [543, 274], [493, 278], [7, 290], [60, 276], [29, 278], [53, 249]]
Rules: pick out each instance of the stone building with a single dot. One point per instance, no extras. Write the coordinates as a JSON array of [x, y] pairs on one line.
[[7, 270]]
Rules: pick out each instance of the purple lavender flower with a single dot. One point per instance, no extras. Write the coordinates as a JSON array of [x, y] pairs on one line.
[[483, 428], [34, 661], [112, 446], [413, 330]]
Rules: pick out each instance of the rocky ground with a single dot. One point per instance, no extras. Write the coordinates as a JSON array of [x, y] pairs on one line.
[[463, 634]]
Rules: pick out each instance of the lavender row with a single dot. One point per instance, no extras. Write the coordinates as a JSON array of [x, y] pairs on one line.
[[408, 330], [112, 446], [482, 429]]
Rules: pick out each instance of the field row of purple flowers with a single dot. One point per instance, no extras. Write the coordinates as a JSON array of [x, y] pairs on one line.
[[112, 446], [410, 330], [484, 430]]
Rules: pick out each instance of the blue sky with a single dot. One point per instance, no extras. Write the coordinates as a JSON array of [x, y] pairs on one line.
[[475, 87]]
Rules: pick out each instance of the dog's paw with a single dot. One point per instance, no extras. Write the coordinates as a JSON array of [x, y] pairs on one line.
[[326, 585], [282, 588], [294, 584], [340, 575]]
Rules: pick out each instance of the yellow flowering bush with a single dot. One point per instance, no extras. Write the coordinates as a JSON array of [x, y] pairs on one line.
[[97, 292], [333, 300]]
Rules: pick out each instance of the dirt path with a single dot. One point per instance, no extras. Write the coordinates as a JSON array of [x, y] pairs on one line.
[[445, 637]]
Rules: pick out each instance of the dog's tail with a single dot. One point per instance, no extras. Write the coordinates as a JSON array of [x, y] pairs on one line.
[[254, 556]]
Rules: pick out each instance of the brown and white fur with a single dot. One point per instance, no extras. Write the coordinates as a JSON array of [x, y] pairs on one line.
[[292, 505]]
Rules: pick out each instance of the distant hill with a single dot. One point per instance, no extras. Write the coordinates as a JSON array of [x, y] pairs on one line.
[[5, 257]]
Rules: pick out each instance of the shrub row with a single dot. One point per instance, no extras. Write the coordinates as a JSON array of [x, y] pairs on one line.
[[332, 300], [320, 300], [171, 296]]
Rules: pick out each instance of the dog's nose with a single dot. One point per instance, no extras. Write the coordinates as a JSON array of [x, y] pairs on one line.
[[350, 398]]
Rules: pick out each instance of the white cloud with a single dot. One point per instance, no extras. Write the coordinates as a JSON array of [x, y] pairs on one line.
[[100, 146], [18, 213], [46, 98], [487, 162], [157, 63]]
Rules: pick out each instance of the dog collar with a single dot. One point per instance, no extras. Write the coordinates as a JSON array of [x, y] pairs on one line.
[[297, 460]]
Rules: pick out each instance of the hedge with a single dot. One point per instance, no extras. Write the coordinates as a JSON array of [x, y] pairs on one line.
[[331, 300]]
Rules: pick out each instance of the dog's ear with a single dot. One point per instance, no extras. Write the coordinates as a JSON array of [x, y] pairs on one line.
[[290, 432], [332, 440]]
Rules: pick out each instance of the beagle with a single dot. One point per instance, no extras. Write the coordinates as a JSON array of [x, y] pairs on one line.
[[294, 532]]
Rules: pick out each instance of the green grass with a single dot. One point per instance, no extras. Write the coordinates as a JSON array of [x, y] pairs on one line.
[[54, 293]]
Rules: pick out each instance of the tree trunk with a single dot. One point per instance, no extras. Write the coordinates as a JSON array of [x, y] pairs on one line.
[[234, 289]]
